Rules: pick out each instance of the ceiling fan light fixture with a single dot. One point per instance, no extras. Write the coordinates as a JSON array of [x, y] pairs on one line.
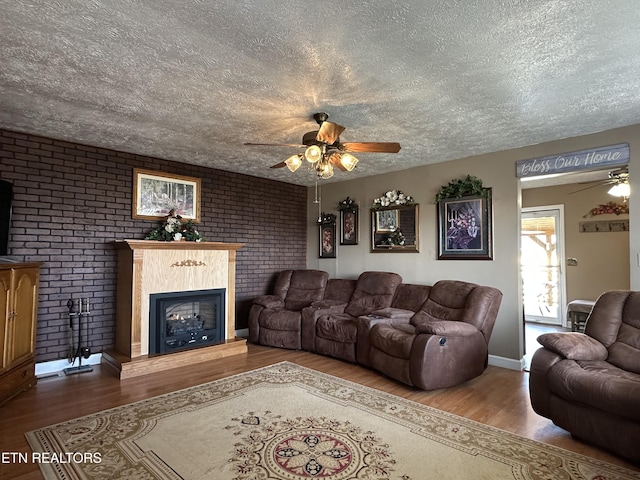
[[324, 169], [293, 162], [348, 161], [620, 190], [313, 153]]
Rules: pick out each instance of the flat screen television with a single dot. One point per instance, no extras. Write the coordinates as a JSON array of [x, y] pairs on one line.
[[6, 198]]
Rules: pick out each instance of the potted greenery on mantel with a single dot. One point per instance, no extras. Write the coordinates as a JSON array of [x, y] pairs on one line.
[[462, 187]]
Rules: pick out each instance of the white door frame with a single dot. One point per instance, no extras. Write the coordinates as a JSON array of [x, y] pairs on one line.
[[560, 248]]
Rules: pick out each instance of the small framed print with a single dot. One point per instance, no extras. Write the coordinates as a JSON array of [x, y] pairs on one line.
[[465, 228], [327, 240], [349, 227]]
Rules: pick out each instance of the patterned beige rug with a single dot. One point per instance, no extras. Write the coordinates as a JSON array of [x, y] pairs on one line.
[[290, 422]]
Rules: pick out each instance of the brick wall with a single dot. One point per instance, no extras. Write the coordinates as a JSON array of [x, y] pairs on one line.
[[71, 201]]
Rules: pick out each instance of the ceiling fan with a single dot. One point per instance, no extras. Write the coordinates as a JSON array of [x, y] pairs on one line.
[[324, 150], [619, 179]]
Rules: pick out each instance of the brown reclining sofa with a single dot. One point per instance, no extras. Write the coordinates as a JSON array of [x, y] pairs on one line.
[[589, 383], [426, 336]]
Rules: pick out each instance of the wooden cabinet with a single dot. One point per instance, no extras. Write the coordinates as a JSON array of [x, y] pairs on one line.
[[19, 302]]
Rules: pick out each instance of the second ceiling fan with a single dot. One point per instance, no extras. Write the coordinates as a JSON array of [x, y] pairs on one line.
[[324, 150]]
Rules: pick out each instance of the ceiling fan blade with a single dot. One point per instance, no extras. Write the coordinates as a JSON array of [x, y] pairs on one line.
[[276, 145], [329, 132], [278, 165], [370, 147], [596, 184]]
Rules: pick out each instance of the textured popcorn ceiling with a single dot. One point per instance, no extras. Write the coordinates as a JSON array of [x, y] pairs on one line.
[[192, 80]]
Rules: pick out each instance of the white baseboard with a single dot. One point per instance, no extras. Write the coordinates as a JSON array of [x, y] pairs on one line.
[[244, 333], [504, 362], [45, 369]]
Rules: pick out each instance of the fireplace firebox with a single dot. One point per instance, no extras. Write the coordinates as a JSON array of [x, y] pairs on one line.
[[185, 320]]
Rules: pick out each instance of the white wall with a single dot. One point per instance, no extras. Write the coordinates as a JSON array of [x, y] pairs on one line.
[[497, 170]]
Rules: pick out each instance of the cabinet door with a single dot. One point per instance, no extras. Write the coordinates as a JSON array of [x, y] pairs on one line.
[[5, 287], [25, 308]]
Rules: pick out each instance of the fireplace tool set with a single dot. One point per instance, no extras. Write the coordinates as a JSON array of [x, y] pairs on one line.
[[78, 309]]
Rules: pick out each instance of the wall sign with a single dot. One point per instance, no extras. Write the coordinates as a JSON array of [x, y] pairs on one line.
[[590, 159]]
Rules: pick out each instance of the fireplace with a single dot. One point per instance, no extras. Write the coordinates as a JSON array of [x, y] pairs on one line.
[[184, 320], [148, 267]]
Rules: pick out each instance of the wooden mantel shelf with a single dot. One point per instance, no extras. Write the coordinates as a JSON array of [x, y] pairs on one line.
[[182, 245], [148, 267]]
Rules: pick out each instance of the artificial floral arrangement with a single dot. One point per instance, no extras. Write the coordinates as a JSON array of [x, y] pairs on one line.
[[468, 185], [392, 197], [326, 219], [347, 205], [173, 228], [611, 208], [396, 238]]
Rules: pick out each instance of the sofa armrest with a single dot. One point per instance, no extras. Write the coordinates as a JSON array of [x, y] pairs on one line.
[[574, 345], [269, 301], [390, 312], [447, 327]]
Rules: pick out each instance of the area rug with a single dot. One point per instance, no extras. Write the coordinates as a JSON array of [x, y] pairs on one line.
[[290, 422]]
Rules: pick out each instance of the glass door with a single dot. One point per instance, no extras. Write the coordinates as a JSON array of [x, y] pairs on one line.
[[541, 254]]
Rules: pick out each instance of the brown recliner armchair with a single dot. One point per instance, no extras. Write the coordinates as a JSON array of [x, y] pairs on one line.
[[445, 343], [275, 320], [589, 383], [333, 330]]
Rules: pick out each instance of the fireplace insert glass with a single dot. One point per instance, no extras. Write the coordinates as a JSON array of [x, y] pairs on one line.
[[183, 320]]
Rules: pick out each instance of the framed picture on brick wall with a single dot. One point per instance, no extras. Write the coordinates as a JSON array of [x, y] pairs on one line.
[[155, 194]]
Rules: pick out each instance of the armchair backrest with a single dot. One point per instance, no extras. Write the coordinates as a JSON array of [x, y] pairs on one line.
[[462, 302], [410, 297], [306, 287], [615, 322], [374, 290], [299, 288]]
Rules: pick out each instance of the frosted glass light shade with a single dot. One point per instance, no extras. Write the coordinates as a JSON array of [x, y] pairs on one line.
[[620, 190], [313, 153], [325, 170], [348, 161], [293, 162]]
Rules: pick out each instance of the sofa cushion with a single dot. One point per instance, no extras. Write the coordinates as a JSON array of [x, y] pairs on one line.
[[410, 297], [374, 290], [337, 327], [573, 345], [280, 319], [306, 287], [447, 301], [598, 384], [339, 289], [394, 340]]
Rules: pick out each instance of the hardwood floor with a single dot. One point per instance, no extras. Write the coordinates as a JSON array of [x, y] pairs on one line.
[[499, 397]]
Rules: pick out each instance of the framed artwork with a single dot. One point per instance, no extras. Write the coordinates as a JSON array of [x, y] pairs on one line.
[[327, 240], [155, 194], [465, 228], [348, 227], [386, 220]]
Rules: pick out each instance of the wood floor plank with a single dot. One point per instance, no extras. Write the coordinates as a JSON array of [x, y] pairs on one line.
[[499, 397]]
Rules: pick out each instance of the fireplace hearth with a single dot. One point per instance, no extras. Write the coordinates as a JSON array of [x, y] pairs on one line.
[[184, 320]]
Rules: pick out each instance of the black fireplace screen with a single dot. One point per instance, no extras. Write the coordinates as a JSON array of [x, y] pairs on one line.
[[183, 320]]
